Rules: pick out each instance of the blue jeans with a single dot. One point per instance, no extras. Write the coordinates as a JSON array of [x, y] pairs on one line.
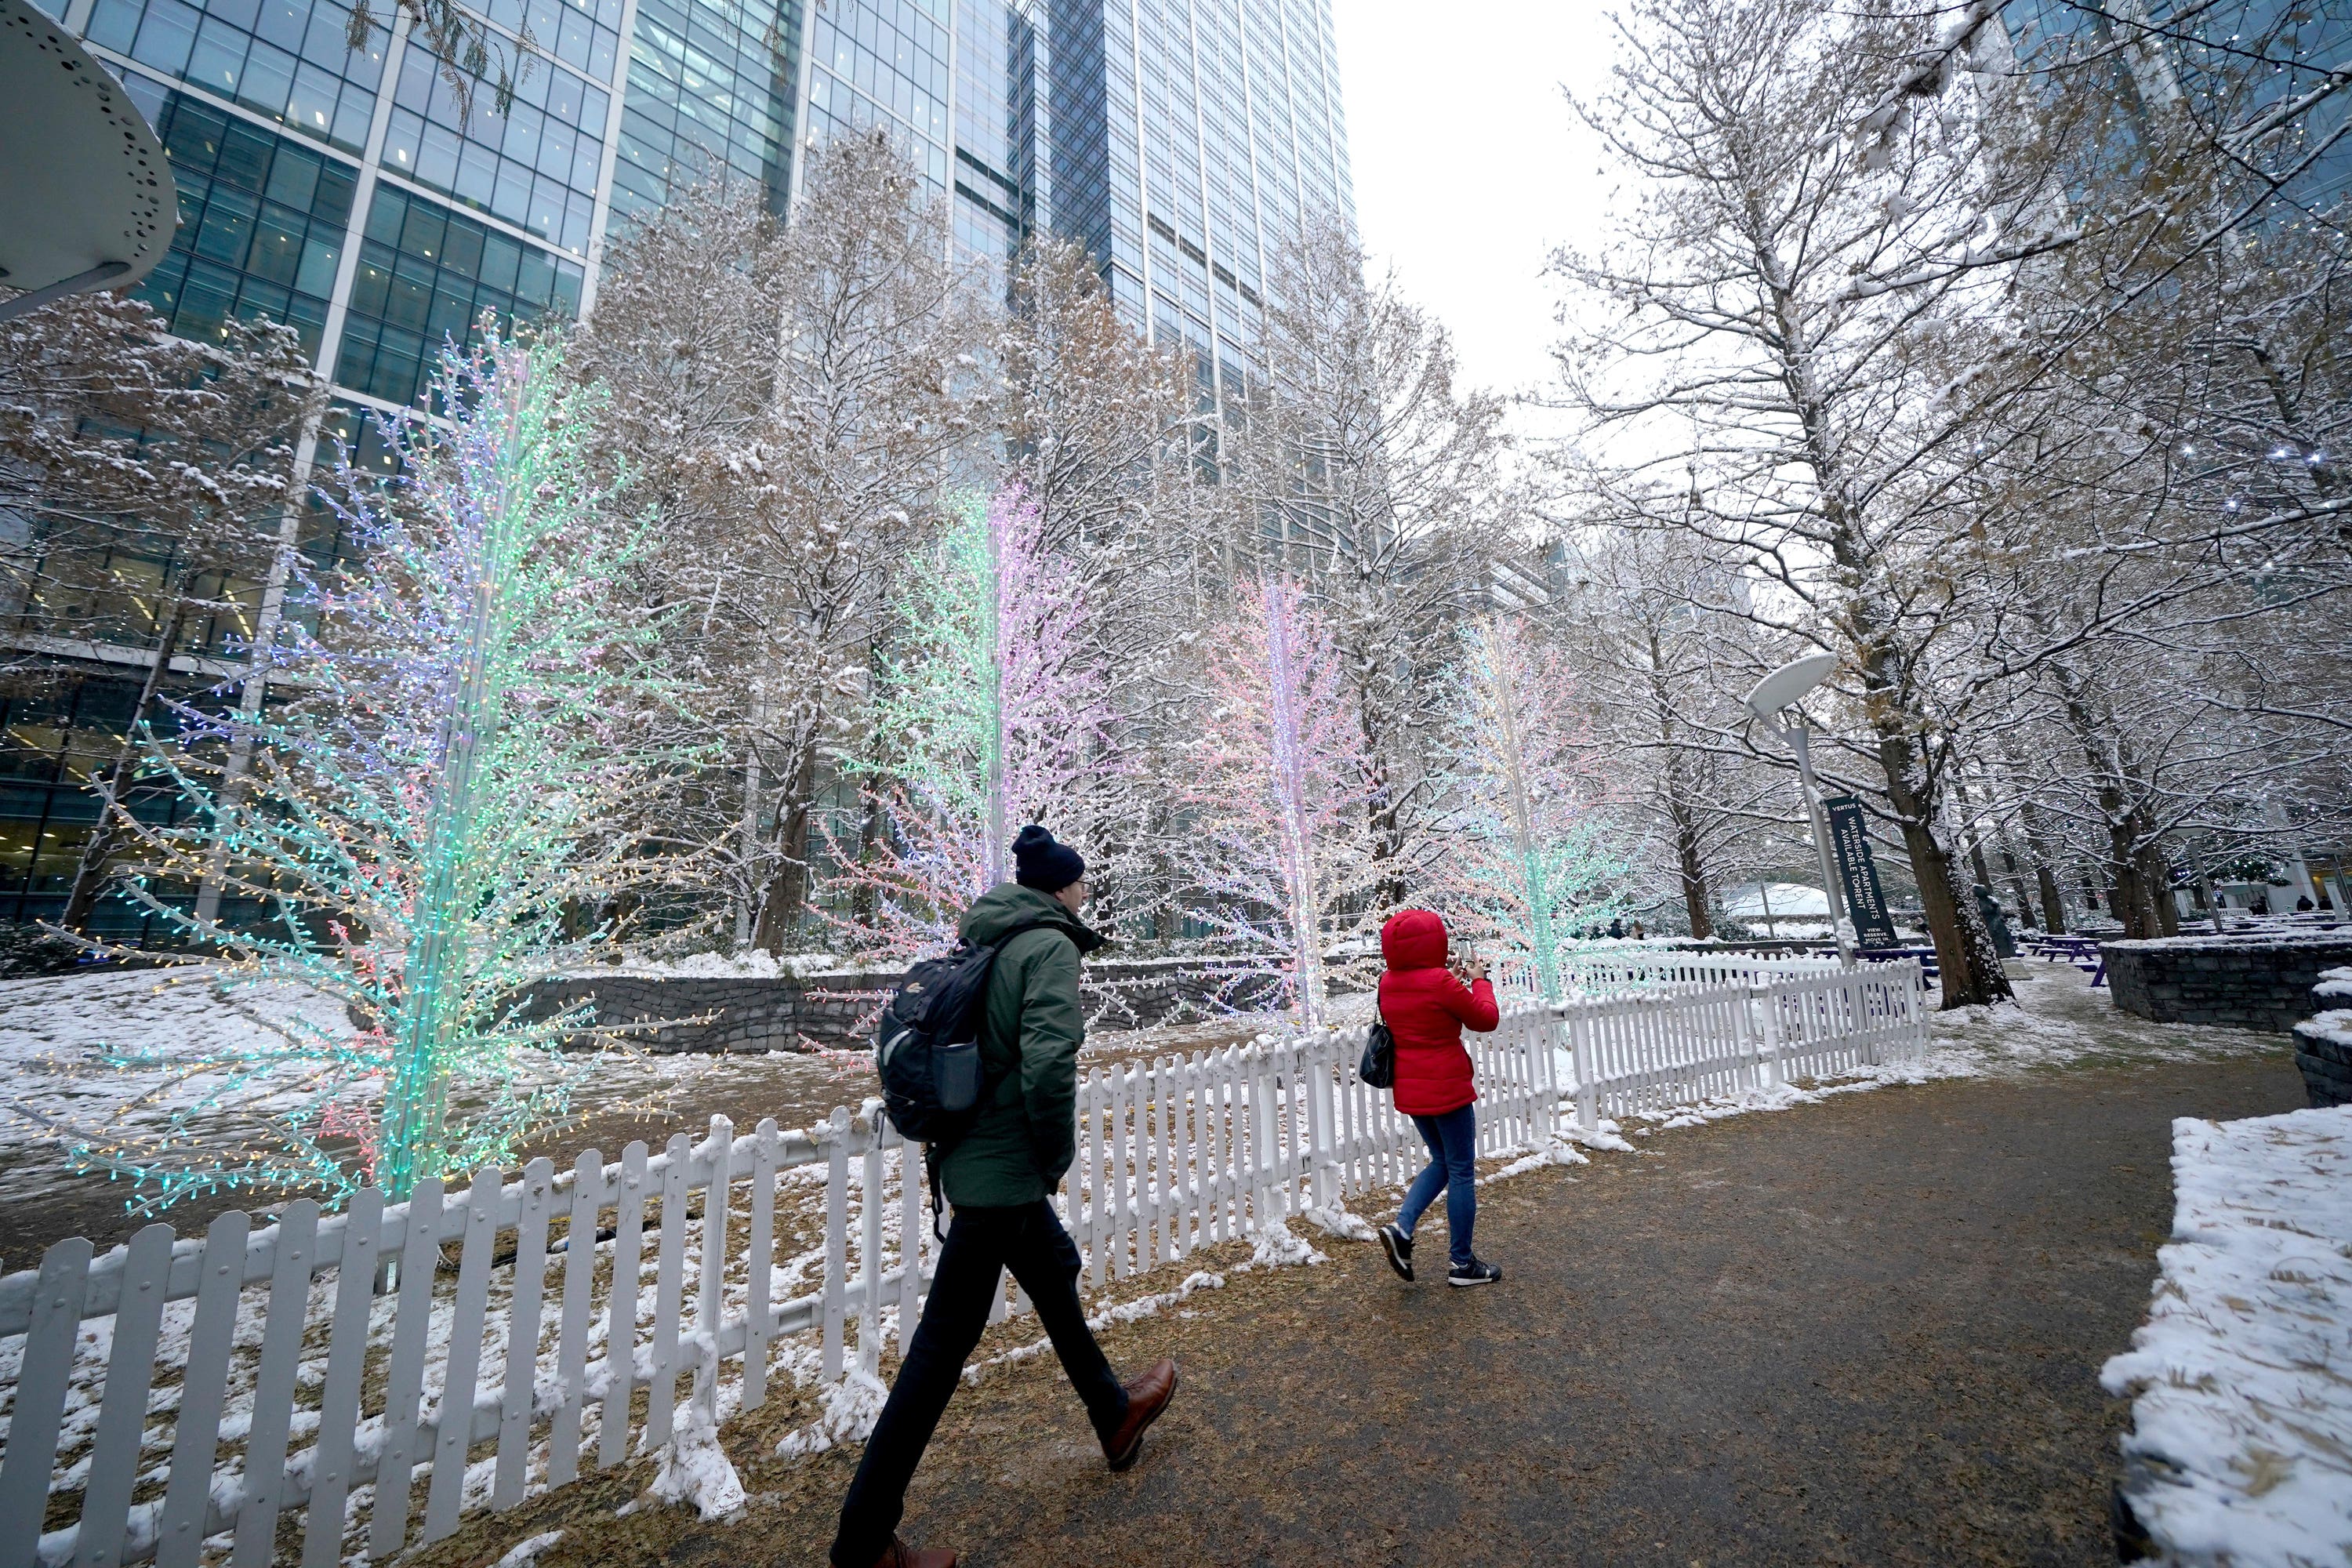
[[1453, 1140]]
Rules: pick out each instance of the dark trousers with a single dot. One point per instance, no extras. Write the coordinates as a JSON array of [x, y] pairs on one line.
[[1031, 1242]]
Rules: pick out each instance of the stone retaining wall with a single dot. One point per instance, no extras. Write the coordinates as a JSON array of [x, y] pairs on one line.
[[2241, 983], [836, 1009], [2322, 1053]]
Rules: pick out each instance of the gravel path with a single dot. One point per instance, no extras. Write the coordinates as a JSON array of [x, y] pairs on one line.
[[1865, 1331]]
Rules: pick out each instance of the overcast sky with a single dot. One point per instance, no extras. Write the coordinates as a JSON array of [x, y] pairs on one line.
[[1469, 165]]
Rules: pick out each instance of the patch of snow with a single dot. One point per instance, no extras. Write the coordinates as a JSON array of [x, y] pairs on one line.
[[1555, 1151], [2241, 1449], [751, 964], [525, 1552], [1337, 1221], [1275, 1247], [1122, 1312], [1603, 1134], [850, 1409], [694, 1469], [2335, 984]]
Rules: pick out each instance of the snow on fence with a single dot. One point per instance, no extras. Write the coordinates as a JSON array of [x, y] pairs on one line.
[[296, 1365]]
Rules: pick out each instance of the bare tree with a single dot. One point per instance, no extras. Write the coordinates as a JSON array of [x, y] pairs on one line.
[[1775, 305], [1370, 475]]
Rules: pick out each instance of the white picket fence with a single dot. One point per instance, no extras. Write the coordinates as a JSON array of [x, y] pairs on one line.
[[1620, 967], [172, 1385]]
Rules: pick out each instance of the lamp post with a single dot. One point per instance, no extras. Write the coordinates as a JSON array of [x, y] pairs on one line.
[[1773, 695]]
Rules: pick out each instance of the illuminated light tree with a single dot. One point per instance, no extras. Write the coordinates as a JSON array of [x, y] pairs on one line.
[[1280, 854], [998, 717], [1534, 861], [437, 811]]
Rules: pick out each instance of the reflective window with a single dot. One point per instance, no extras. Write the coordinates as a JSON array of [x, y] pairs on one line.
[[289, 59], [425, 273], [578, 32], [709, 91], [535, 165], [262, 220]]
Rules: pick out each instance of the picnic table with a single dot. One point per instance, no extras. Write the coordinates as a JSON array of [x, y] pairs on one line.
[[2082, 951], [1926, 955]]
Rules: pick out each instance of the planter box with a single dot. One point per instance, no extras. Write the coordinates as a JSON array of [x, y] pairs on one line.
[[2241, 983]]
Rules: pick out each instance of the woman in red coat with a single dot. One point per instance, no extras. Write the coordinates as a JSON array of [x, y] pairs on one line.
[[1426, 1005]]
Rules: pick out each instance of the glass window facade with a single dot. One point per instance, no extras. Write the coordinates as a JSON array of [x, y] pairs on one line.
[[290, 60], [262, 221], [709, 92], [1188, 138], [424, 275], [535, 165], [885, 63], [582, 34]]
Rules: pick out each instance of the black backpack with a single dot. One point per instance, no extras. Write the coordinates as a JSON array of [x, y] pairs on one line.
[[926, 1050]]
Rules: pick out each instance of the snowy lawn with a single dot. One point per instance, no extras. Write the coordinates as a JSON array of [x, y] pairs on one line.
[[2241, 1449]]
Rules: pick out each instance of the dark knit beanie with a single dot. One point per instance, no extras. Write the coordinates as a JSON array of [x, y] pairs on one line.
[[1041, 863]]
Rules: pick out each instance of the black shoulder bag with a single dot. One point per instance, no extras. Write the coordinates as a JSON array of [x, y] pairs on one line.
[[1378, 1066]]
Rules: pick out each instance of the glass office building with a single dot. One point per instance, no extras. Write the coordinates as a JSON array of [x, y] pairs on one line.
[[1188, 138], [338, 181]]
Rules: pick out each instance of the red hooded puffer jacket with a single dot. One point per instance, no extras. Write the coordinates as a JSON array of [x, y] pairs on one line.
[[1426, 1007]]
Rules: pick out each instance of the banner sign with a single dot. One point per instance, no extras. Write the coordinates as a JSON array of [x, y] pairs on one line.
[[1864, 904]]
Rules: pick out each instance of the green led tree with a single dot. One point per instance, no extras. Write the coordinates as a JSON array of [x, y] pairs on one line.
[[440, 807], [1534, 862]]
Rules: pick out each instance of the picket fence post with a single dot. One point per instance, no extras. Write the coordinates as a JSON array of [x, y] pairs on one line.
[[1580, 1029], [836, 1238]]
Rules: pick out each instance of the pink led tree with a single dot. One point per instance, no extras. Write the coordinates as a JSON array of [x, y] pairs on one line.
[[1280, 854], [998, 716]]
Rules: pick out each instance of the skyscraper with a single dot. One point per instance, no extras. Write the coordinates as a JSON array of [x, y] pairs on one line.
[[1188, 138]]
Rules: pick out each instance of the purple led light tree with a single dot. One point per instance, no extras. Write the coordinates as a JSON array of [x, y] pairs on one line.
[[996, 718], [1280, 853]]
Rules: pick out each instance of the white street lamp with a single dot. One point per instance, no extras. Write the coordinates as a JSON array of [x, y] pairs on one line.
[[1775, 693], [85, 194]]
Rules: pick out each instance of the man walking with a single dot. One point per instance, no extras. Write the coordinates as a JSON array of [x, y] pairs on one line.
[[1000, 1177]]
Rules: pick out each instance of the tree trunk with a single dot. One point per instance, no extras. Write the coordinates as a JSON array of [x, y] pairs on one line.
[[90, 872], [1971, 972], [1694, 873], [2156, 876], [2037, 844], [780, 912], [2017, 886], [864, 899]]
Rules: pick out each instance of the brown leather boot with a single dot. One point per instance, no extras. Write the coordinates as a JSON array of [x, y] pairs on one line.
[[898, 1554], [1147, 1396]]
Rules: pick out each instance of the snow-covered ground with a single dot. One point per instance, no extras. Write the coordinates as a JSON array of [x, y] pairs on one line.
[[2241, 1449]]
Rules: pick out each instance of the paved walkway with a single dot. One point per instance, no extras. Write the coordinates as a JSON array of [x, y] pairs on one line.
[[1862, 1331]]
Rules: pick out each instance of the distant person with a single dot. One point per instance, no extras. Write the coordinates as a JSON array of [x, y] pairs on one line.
[[2302, 905], [1427, 1004], [999, 1176], [1616, 927], [1637, 931]]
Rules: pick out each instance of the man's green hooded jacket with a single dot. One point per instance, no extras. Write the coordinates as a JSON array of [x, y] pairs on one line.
[[1032, 1026]]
